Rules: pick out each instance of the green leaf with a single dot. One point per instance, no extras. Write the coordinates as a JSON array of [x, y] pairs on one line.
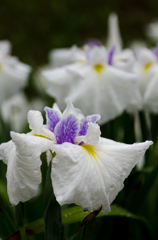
[[52, 211], [144, 190], [7, 225], [20, 214], [76, 214]]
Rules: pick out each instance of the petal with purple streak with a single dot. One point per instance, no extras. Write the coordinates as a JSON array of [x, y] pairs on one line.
[[111, 55], [67, 129], [155, 51], [85, 121], [52, 118]]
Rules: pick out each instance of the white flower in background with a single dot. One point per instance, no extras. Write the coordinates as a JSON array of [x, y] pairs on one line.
[[95, 86], [104, 89], [87, 170], [13, 74], [65, 56], [14, 110], [114, 36], [152, 30], [146, 69]]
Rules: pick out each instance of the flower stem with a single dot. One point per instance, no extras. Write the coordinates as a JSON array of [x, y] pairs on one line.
[[23, 233]]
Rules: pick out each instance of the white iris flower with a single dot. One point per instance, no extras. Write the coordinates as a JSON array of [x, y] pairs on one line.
[[13, 74], [87, 170], [146, 69], [94, 86], [14, 110]]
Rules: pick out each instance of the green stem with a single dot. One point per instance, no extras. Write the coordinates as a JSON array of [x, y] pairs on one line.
[[23, 233]]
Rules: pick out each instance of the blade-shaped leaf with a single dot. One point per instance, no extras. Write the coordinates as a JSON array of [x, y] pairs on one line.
[[52, 211], [75, 214], [8, 225]]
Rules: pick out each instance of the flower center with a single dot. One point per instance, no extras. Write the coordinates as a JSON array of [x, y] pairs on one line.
[[98, 67], [90, 149], [147, 66]]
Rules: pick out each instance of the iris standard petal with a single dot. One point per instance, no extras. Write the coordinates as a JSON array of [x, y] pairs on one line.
[[92, 175], [67, 129], [85, 121], [52, 118]]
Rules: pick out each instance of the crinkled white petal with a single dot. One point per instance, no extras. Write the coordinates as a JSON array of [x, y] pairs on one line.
[[107, 93], [22, 156], [92, 176], [7, 151], [35, 121]]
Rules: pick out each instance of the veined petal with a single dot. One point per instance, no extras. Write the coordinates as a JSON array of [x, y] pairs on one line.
[[85, 121], [92, 175], [67, 129], [23, 171], [92, 135], [52, 118]]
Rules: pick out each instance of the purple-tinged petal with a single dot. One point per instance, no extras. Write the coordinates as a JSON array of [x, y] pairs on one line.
[[111, 55], [85, 121], [93, 42], [52, 118], [155, 51], [67, 129]]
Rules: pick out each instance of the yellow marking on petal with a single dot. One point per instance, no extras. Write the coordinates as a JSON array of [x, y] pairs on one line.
[[0, 68], [37, 135], [98, 67], [90, 149], [147, 66]]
